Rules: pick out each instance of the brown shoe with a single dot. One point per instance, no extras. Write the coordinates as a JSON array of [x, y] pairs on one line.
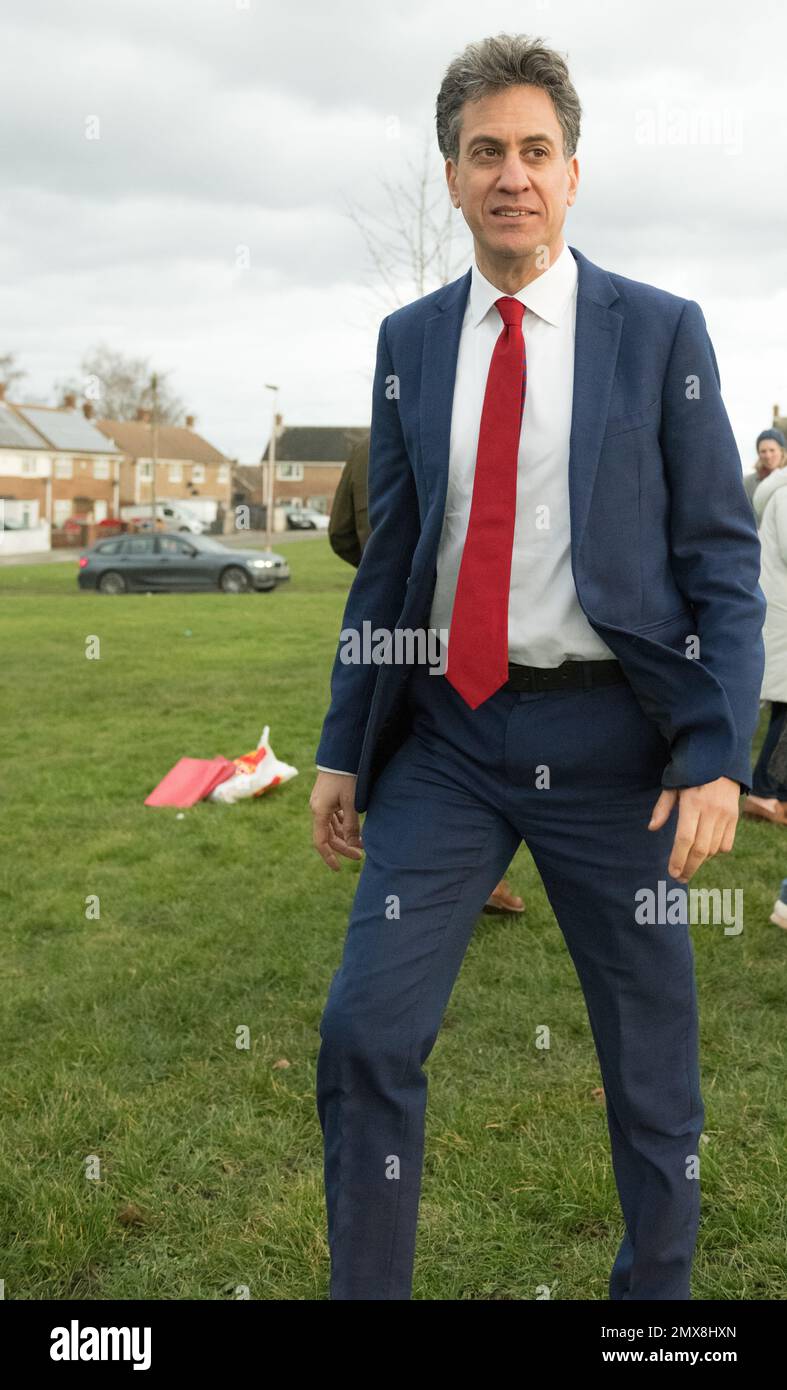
[[760, 808], [503, 900]]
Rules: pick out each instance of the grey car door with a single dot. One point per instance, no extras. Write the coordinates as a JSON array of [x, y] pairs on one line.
[[139, 566], [178, 564]]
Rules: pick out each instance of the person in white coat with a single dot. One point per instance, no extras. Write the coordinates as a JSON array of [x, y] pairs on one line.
[[771, 454], [768, 799]]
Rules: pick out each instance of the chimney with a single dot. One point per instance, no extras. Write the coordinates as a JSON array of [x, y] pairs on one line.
[[143, 414], [87, 410], [69, 401], [190, 419]]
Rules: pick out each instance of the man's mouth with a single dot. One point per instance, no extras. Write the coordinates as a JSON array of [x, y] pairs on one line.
[[513, 212]]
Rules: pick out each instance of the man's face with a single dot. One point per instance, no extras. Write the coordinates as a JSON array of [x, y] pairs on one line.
[[511, 156]]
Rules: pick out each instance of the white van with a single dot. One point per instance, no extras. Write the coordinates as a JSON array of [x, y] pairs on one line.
[[170, 514]]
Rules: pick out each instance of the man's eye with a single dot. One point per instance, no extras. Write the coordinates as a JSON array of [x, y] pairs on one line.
[[490, 150]]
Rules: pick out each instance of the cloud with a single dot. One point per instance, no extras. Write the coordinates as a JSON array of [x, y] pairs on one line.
[[207, 225]]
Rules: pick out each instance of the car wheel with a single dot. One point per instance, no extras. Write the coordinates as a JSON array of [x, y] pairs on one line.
[[234, 580], [112, 583]]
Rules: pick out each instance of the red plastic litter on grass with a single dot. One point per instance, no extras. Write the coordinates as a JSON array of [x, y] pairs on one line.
[[190, 781]]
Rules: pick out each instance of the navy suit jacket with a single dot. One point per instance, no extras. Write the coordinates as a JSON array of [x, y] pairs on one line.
[[663, 540]]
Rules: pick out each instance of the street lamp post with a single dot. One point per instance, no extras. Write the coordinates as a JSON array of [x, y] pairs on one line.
[[154, 447], [271, 472]]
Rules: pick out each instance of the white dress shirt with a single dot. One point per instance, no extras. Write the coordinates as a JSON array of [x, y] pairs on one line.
[[546, 624]]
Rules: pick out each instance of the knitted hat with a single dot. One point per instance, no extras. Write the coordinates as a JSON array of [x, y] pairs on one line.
[[771, 434]]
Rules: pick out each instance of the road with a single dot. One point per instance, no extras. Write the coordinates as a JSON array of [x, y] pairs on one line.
[[241, 540]]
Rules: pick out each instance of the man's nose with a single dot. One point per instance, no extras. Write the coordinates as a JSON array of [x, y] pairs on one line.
[[514, 174]]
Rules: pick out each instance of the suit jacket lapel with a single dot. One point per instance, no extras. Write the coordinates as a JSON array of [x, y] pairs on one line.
[[598, 329], [438, 375]]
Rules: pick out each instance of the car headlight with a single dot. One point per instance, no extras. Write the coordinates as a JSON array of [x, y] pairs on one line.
[[261, 564]]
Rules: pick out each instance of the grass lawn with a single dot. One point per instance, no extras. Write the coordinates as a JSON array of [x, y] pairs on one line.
[[119, 1034]]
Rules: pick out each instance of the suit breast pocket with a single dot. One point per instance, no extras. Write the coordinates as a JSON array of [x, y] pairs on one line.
[[633, 420]]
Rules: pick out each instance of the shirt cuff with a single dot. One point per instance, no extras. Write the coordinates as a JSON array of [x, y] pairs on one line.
[[340, 770]]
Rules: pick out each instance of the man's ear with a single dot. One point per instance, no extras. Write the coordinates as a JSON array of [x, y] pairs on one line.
[[450, 178], [573, 175]]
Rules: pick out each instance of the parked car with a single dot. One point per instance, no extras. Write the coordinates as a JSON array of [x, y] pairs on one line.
[[306, 519], [171, 516], [168, 562]]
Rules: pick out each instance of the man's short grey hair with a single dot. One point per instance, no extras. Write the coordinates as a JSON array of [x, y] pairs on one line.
[[506, 60]]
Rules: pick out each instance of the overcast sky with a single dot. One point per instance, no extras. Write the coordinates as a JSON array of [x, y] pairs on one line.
[[226, 125]]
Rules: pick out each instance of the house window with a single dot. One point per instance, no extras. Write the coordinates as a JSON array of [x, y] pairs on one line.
[[224, 472], [28, 465], [18, 512], [198, 472], [175, 473], [100, 468], [64, 469], [320, 504], [289, 472], [145, 470], [62, 510]]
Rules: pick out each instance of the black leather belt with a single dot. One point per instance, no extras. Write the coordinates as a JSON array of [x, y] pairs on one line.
[[572, 675]]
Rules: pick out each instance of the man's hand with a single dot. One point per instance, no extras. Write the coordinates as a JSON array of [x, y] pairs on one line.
[[707, 817], [336, 829]]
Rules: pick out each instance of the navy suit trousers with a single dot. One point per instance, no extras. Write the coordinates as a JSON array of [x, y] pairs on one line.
[[575, 774]]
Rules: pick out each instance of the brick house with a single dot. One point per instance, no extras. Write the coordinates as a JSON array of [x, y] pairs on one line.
[[54, 465], [309, 463], [25, 480], [189, 469]]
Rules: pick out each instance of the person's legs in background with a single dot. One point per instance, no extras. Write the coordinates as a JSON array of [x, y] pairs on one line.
[[768, 798], [763, 784]]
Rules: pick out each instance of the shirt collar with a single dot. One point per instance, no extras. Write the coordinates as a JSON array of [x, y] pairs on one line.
[[548, 295]]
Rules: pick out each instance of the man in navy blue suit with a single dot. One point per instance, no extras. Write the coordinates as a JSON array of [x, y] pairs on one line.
[[554, 635]]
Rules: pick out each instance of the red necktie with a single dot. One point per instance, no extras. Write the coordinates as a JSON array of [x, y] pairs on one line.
[[478, 638]]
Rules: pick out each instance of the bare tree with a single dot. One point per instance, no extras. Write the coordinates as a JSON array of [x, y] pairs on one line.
[[411, 249], [10, 374], [118, 386]]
